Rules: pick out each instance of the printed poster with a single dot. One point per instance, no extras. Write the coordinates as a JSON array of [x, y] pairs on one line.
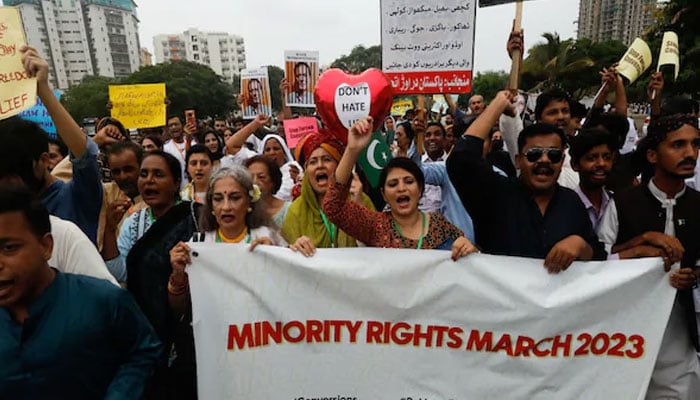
[[301, 70]]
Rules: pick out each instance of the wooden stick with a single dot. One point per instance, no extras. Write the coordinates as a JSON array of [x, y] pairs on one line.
[[514, 81]]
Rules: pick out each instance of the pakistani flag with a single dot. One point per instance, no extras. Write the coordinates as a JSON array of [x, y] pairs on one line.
[[374, 158]]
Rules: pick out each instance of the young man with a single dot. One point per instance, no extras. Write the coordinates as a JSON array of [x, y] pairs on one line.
[[529, 217], [122, 196], [57, 152], [434, 141], [662, 218], [177, 145], [220, 125], [63, 335], [24, 155], [592, 156]]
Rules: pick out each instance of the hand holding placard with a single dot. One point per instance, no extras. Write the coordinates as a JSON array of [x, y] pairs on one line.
[[17, 87]]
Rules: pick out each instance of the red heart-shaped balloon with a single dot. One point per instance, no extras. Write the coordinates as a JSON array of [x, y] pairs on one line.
[[342, 99]]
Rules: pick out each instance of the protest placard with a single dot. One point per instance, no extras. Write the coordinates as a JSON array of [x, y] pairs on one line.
[[295, 129], [670, 54], [138, 106], [489, 3], [17, 89], [372, 323], [400, 106], [40, 115], [635, 61], [255, 86], [301, 71], [428, 47]]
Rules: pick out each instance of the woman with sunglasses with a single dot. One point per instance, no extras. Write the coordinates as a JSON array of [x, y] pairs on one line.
[[402, 184]]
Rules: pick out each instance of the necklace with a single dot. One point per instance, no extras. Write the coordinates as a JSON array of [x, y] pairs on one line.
[[221, 238], [330, 228], [422, 233]]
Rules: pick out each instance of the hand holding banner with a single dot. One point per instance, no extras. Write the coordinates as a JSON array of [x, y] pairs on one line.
[[635, 61], [373, 323], [17, 90]]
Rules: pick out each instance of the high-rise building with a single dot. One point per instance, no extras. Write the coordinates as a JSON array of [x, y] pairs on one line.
[[146, 57], [223, 53], [82, 37], [622, 20]]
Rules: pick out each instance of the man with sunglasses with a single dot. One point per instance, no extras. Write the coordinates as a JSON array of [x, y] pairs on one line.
[[530, 216], [661, 218]]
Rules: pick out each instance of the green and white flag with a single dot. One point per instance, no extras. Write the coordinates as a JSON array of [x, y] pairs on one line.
[[374, 158]]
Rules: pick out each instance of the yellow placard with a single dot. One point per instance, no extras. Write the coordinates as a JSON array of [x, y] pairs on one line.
[[670, 54], [400, 106], [17, 89], [138, 106], [636, 60]]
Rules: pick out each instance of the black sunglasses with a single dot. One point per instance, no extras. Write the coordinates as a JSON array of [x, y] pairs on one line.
[[535, 153]]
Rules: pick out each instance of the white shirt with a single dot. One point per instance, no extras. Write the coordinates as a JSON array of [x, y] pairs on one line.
[[237, 159], [74, 253], [676, 373], [432, 195], [630, 139], [568, 177], [178, 151]]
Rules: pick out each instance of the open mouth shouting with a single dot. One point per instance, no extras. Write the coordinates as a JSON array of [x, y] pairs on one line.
[[6, 286], [321, 178], [403, 201], [150, 194]]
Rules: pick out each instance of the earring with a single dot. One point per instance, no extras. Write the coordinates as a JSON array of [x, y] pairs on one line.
[[250, 209], [212, 213]]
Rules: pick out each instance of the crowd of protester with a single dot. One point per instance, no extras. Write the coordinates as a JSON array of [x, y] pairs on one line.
[[94, 232]]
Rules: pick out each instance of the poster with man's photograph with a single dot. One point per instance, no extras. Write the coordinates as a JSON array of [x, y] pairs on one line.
[[255, 87], [301, 71]]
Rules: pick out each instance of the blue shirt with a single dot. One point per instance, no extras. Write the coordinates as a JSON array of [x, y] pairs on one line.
[[84, 339], [79, 200], [451, 206]]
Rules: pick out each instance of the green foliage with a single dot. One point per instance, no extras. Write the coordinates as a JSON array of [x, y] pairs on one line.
[[360, 59], [89, 98], [275, 74], [488, 84], [680, 16], [189, 85], [572, 65]]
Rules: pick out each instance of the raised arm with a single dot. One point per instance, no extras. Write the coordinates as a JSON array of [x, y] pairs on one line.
[[284, 90], [238, 139], [483, 124], [66, 127], [656, 86]]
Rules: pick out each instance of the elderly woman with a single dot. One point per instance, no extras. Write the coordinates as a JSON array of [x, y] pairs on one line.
[[402, 184], [306, 227], [267, 175]]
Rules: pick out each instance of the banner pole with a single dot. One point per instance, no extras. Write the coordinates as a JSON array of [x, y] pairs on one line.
[[514, 80]]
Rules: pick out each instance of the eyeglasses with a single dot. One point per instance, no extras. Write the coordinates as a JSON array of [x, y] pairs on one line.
[[553, 153]]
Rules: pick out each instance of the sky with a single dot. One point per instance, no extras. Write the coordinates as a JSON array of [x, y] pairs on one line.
[[334, 27]]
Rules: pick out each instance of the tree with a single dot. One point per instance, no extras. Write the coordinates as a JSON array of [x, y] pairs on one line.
[[489, 83], [572, 65], [189, 85], [275, 74], [89, 98], [360, 59], [681, 17]]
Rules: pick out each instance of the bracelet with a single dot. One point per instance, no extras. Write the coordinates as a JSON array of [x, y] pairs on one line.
[[176, 290], [175, 283]]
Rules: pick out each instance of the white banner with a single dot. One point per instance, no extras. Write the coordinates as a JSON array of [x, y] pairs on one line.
[[428, 46], [412, 324]]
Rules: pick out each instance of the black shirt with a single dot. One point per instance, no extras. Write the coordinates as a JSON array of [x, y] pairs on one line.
[[507, 221]]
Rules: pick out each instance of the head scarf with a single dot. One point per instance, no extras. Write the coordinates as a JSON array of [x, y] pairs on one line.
[[304, 219], [313, 141], [283, 144]]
